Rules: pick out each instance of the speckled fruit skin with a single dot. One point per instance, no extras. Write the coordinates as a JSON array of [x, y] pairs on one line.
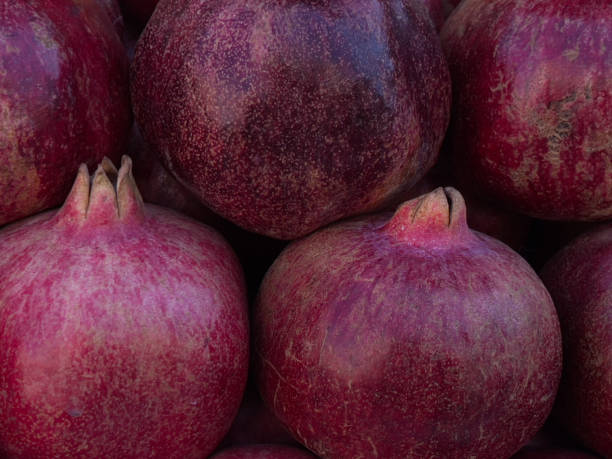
[[531, 125], [286, 116], [64, 99], [123, 329], [407, 336], [579, 279], [263, 452], [552, 453]]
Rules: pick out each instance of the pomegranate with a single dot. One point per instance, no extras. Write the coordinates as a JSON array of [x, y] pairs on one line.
[[531, 124], [285, 116], [579, 279], [65, 99], [263, 452], [114, 12], [123, 328], [407, 336]]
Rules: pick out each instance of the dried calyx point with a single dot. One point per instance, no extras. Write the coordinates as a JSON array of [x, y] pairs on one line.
[[109, 195], [433, 217]]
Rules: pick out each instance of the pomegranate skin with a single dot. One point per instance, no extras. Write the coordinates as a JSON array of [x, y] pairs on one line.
[[268, 451], [579, 279], [531, 123], [285, 116], [436, 11], [123, 329], [406, 336], [64, 96]]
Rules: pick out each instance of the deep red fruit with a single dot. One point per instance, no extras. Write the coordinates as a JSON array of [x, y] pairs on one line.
[[285, 116], [64, 98], [407, 336], [123, 329], [114, 13], [531, 125], [579, 278], [263, 452]]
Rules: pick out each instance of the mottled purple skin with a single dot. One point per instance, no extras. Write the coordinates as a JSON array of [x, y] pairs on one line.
[[123, 329], [407, 336], [158, 186], [531, 125], [263, 452], [552, 453], [64, 99], [286, 116], [579, 279]]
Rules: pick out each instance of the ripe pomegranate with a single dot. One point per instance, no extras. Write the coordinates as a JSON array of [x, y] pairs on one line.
[[285, 116], [123, 328], [407, 336], [65, 98], [263, 452], [579, 279], [531, 125]]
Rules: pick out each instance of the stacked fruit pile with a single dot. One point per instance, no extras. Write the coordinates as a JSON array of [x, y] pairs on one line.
[[338, 229]]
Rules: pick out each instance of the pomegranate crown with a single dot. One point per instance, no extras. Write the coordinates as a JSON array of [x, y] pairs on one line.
[[432, 219], [107, 196]]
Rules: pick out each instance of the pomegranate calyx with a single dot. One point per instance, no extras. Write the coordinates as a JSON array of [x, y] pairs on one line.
[[431, 218], [108, 196]]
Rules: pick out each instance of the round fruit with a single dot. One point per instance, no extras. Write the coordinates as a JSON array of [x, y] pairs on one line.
[[579, 278], [407, 336], [531, 125], [64, 98], [123, 329], [285, 116]]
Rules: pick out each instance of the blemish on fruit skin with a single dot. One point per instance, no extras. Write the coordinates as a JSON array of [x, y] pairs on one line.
[[539, 158]]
